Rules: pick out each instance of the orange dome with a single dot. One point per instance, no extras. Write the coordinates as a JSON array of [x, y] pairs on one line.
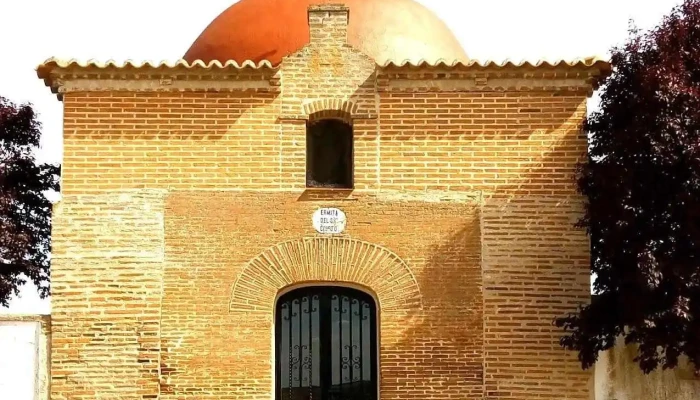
[[395, 30]]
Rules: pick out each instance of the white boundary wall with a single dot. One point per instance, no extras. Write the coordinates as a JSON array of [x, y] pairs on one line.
[[618, 377], [24, 352]]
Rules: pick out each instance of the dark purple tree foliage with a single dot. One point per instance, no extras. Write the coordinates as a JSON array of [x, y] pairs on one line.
[[642, 184], [25, 212]]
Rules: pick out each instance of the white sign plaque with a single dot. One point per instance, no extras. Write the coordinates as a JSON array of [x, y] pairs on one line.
[[329, 220]]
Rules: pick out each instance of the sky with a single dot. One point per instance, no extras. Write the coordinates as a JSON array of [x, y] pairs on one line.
[[34, 30]]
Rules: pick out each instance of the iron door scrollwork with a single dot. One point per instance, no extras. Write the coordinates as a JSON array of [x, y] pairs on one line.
[[325, 345]]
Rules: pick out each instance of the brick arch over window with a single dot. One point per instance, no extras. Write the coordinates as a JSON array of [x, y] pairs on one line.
[[326, 260], [330, 108]]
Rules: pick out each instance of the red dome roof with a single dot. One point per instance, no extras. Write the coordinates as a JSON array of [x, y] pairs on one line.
[[386, 30]]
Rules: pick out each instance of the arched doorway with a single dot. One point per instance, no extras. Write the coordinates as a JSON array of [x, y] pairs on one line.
[[326, 344]]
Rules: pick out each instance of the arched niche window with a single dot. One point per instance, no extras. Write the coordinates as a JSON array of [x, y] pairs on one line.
[[329, 154], [326, 345]]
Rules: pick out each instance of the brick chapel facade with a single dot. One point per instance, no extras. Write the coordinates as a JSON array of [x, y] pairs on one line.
[[188, 263]]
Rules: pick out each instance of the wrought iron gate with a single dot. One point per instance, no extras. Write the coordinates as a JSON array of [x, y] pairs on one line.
[[326, 345]]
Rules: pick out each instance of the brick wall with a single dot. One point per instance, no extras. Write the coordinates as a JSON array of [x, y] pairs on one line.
[[106, 283], [499, 142], [209, 245], [169, 140], [185, 212], [520, 149], [535, 268]]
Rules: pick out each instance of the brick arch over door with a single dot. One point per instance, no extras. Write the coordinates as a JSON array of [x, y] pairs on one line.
[[319, 260], [344, 110]]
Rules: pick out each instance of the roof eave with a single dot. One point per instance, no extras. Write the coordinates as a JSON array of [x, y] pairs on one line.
[[587, 63], [46, 70]]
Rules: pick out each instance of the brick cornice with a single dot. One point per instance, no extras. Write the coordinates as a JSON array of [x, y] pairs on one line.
[[75, 79], [400, 78], [489, 79]]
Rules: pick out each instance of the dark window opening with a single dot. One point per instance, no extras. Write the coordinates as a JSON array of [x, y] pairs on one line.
[[329, 154], [326, 345]]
